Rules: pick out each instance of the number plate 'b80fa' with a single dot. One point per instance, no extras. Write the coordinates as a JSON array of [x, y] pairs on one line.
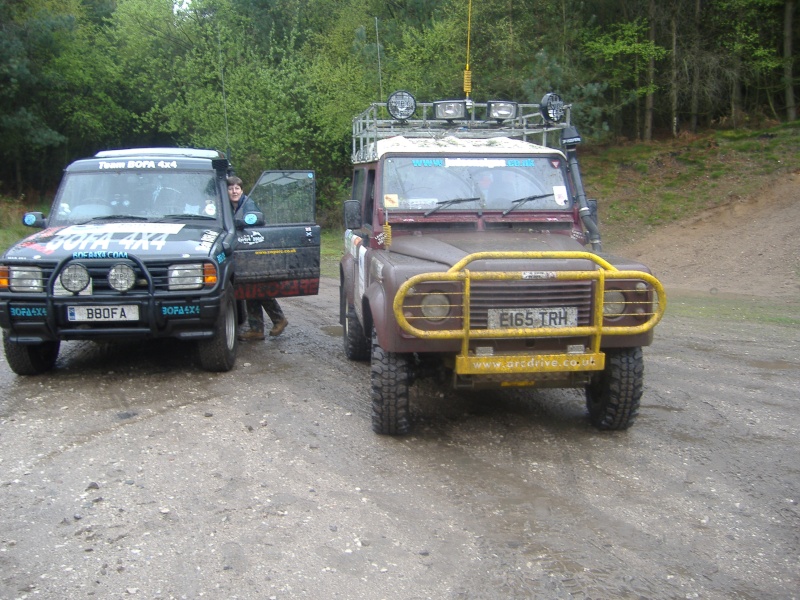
[[554, 316]]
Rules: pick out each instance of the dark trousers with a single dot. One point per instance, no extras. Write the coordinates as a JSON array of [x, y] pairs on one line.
[[255, 318]]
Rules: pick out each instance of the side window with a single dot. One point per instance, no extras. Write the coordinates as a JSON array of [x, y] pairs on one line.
[[369, 205], [359, 180]]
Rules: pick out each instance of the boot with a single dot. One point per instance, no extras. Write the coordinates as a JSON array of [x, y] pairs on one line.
[[277, 328], [254, 335]]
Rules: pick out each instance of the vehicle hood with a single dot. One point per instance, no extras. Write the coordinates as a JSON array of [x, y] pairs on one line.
[[119, 240], [449, 248]]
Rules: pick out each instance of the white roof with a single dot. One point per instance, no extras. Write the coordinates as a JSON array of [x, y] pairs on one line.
[[453, 145], [188, 152]]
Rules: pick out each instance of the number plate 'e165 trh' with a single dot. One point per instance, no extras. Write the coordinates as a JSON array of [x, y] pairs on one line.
[[554, 316], [128, 312]]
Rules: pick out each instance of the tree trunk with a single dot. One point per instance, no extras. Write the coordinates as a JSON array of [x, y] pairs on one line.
[[788, 15], [651, 77], [696, 66], [673, 94]]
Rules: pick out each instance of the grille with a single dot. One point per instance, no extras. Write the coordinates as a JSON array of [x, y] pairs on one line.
[[529, 294]]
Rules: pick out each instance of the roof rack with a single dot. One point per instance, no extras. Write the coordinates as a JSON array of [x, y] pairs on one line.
[[375, 124]]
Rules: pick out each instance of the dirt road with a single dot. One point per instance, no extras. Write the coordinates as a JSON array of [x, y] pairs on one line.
[[130, 473]]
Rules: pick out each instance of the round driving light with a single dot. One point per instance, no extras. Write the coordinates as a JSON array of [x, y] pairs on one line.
[[401, 105], [552, 107], [74, 278], [121, 277], [435, 307], [613, 303]]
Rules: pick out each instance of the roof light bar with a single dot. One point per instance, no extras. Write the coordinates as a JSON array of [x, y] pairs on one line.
[[450, 109], [500, 110]]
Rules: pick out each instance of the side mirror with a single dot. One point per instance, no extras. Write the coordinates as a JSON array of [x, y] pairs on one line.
[[352, 214], [34, 219], [251, 219]]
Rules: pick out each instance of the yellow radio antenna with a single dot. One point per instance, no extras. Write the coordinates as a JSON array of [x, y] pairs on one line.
[[467, 72]]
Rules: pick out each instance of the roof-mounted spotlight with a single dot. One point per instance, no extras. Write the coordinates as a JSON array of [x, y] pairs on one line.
[[552, 107], [450, 110], [500, 110], [401, 105]]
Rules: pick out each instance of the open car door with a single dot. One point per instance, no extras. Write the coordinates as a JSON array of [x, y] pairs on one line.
[[281, 257]]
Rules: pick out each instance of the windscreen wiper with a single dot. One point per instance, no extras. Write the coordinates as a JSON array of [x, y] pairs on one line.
[[446, 203], [520, 201], [188, 216], [122, 217]]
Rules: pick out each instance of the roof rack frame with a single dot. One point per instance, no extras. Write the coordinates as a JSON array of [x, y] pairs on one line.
[[375, 124]]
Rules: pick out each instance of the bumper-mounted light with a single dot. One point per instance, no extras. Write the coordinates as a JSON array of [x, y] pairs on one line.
[[74, 278], [121, 277]]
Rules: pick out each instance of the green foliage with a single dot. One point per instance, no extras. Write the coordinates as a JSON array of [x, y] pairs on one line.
[[278, 81]]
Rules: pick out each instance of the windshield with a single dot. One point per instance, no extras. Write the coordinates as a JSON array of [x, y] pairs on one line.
[[144, 195], [438, 184]]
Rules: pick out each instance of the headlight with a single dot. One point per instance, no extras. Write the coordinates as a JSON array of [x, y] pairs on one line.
[[435, 307], [25, 279], [613, 304], [185, 277], [121, 277], [74, 278]]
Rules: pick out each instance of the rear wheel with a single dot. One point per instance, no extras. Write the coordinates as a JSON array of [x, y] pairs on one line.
[[390, 380], [219, 352], [614, 395], [30, 359]]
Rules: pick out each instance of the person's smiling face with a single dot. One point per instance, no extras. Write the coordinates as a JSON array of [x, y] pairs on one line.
[[235, 193]]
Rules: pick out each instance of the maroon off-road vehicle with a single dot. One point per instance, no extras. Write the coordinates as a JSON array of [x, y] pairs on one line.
[[466, 257]]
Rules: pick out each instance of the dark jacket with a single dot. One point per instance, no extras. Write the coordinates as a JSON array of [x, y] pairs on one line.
[[246, 205]]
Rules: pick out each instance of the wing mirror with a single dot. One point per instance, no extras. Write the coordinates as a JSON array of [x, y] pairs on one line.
[[34, 219], [352, 214], [251, 219]]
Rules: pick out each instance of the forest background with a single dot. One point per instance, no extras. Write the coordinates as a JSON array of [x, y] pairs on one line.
[[277, 82]]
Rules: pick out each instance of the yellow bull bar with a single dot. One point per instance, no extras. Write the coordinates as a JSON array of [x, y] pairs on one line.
[[589, 360]]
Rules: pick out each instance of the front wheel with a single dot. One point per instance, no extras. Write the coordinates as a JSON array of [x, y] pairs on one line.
[[356, 344], [219, 352], [614, 394], [390, 379], [30, 359]]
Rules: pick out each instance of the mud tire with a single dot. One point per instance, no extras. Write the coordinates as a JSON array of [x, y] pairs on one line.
[[614, 395], [30, 359], [390, 381], [219, 352], [356, 344]]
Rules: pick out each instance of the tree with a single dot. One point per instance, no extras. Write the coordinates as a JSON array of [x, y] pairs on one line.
[[622, 55]]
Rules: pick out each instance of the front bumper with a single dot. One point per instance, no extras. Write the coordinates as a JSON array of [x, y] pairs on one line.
[[531, 355]]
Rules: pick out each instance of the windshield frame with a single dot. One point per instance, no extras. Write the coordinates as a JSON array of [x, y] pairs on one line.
[[138, 195], [440, 182]]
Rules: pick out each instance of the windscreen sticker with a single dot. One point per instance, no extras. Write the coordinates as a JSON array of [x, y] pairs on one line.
[[138, 164], [560, 194], [97, 228], [391, 201], [475, 162]]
